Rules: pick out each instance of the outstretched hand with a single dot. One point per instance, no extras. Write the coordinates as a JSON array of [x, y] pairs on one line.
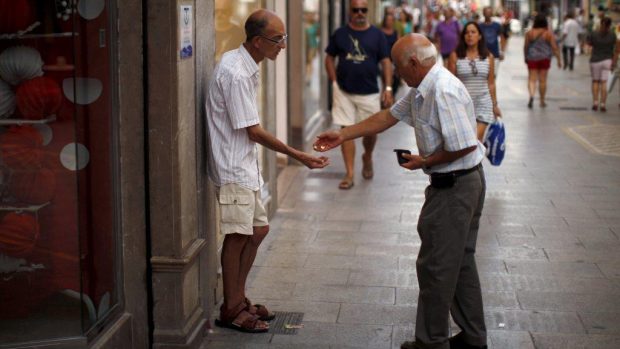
[[328, 140], [313, 162]]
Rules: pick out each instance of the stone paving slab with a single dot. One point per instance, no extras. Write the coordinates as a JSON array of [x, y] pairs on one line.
[[358, 236], [569, 301], [573, 341], [376, 314], [534, 321], [402, 249], [583, 255], [265, 276], [352, 335], [601, 323], [348, 262], [345, 294], [342, 248], [386, 278], [544, 284], [611, 270], [585, 270]]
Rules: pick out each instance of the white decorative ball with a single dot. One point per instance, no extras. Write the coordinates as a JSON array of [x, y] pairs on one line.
[[19, 63]]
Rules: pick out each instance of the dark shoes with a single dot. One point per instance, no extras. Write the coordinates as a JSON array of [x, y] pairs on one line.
[[408, 345], [530, 104], [596, 107], [457, 342]]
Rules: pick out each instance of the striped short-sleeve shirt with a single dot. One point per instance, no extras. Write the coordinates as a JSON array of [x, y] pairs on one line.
[[442, 113], [475, 76], [230, 108]]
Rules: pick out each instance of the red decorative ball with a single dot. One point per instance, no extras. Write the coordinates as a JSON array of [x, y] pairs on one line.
[[18, 234], [38, 98], [21, 147], [16, 15], [33, 187]]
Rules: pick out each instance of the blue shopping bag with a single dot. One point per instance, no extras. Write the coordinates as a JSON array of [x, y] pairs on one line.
[[495, 142]]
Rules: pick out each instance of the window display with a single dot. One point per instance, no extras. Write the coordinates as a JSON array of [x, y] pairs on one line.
[[312, 49], [57, 163]]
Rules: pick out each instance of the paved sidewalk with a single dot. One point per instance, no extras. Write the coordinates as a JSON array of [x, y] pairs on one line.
[[548, 248]]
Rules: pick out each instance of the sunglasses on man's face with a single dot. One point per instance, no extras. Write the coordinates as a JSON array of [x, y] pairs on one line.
[[359, 9], [278, 40]]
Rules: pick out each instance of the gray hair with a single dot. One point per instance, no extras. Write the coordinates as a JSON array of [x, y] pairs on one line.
[[427, 55]]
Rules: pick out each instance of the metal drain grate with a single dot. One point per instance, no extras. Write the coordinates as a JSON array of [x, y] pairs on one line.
[[278, 325], [599, 138]]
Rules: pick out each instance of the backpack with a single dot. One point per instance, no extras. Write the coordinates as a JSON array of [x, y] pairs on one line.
[[495, 141]]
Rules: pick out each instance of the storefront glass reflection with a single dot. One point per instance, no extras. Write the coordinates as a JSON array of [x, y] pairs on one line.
[[57, 227], [312, 52]]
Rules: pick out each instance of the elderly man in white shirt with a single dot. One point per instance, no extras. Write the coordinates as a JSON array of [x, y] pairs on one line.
[[234, 130], [442, 113]]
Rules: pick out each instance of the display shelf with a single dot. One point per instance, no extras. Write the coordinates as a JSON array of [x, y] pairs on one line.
[[22, 208], [37, 36], [27, 121]]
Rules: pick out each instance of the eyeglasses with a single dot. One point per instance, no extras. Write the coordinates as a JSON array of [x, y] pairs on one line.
[[280, 41], [474, 70], [359, 9]]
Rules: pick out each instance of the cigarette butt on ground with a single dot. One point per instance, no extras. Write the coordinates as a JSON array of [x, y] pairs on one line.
[[289, 326]]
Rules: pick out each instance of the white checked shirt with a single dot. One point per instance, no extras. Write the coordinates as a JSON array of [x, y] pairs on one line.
[[442, 113], [230, 108]]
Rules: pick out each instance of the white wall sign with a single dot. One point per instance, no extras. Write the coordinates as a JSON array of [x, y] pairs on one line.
[[186, 31]]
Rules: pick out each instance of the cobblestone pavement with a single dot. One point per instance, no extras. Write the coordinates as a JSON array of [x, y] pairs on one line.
[[548, 248]]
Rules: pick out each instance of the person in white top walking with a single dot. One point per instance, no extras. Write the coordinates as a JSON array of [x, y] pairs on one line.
[[570, 40], [233, 130]]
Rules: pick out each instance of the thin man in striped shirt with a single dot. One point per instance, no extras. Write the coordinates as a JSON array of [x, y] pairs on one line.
[[233, 132]]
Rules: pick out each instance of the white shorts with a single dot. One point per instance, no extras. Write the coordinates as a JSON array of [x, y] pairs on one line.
[[349, 109], [239, 210], [600, 70]]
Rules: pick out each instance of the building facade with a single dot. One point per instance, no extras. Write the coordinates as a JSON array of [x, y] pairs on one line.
[[108, 233]]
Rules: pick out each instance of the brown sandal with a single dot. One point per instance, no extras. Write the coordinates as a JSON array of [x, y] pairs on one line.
[[250, 325], [346, 183], [260, 310]]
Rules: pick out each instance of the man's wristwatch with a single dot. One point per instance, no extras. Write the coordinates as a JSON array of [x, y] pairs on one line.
[[388, 89]]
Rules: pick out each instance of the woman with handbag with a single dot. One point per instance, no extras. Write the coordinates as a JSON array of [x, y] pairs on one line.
[[473, 64], [539, 47]]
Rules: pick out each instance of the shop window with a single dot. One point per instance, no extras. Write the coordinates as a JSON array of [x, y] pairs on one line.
[[312, 55], [57, 159]]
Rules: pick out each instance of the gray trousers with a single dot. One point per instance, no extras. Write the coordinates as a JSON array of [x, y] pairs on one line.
[[447, 273]]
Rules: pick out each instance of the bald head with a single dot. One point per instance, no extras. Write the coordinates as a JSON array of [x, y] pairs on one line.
[[258, 22], [415, 45]]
